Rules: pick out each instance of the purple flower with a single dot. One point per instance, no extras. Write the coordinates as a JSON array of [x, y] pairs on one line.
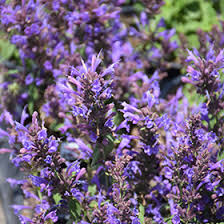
[[73, 167], [37, 181], [20, 127], [48, 65], [18, 208], [14, 182], [48, 159], [53, 145], [3, 133], [168, 172], [151, 99], [29, 79], [84, 149], [126, 139], [135, 220], [144, 18], [77, 194], [27, 144], [24, 219], [42, 134], [27, 158], [34, 29], [24, 115], [19, 40], [52, 216], [44, 205], [149, 122], [96, 87], [189, 172], [30, 195], [176, 219]]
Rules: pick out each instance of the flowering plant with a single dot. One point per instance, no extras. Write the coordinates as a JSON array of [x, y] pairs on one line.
[[100, 140]]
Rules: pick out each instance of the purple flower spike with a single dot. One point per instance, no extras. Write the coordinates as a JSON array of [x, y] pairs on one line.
[[42, 135]]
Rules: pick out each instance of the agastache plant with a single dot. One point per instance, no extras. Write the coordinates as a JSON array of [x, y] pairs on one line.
[[195, 175], [48, 175], [119, 211], [110, 146], [206, 75], [48, 36], [88, 93]]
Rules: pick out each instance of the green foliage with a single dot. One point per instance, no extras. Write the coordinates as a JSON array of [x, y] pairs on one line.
[[55, 126], [98, 154], [138, 7], [92, 189], [39, 193], [34, 96], [141, 213], [220, 157], [6, 50], [93, 204], [169, 220], [75, 209], [117, 118], [221, 5], [188, 16], [193, 98], [57, 198], [14, 88]]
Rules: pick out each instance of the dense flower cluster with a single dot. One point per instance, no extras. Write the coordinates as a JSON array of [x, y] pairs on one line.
[[195, 176], [110, 146], [205, 76]]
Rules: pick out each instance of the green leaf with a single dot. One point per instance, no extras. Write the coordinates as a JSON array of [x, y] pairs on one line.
[[209, 16], [57, 198], [93, 204], [55, 126], [183, 4], [141, 214], [31, 107], [221, 7], [39, 193], [118, 118], [188, 27], [12, 71], [193, 15], [138, 7], [169, 220], [92, 189], [221, 156], [193, 98], [33, 92], [6, 50], [110, 138], [110, 146], [74, 209], [96, 156], [14, 88]]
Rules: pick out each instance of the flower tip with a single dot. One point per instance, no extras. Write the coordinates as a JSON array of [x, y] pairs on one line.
[[186, 80]]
